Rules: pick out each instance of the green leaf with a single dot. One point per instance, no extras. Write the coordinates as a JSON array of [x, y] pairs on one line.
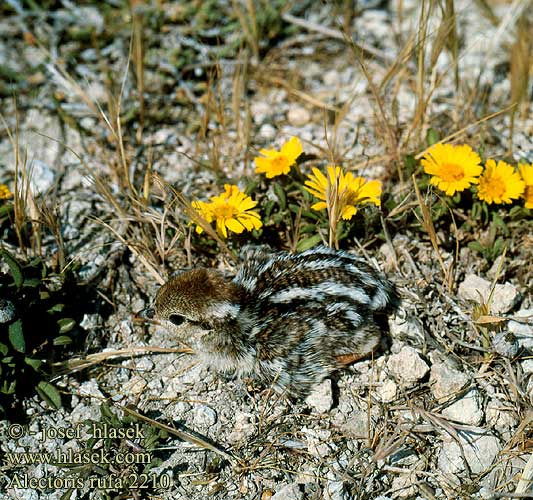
[[308, 243], [49, 394], [8, 388], [410, 163], [66, 324], [311, 215], [295, 208], [62, 340], [34, 363], [16, 336], [6, 209], [308, 228], [280, 194], [14, 267], [476, 246], [3, 349], [432, 137], [32, 282], [56, 308], [269, 206]]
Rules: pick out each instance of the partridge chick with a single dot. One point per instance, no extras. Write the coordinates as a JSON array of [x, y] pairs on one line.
[[289, 319]]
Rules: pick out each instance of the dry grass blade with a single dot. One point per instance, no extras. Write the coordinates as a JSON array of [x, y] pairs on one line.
[[77, 364], [298, 93], [134, 250], [521, 60], [526, 479], [338, 35], [193, 215], [184, 434], [427, 224], [137, 55], [461, 131]]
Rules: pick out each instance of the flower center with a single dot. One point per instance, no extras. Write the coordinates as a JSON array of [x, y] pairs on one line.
[[495, 187], [279, 162], [452, 172], [225, 211], [528, 195]]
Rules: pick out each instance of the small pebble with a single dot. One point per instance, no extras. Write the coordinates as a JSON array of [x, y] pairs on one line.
[[298, 116], [466, 410], [321, 397], [7, 311], [478, 289], [289, 492], [446, 381], [505, 344], [388, 391], [407, 366]]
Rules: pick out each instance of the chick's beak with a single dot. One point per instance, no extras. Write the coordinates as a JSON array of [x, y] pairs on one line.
[[147, 313]]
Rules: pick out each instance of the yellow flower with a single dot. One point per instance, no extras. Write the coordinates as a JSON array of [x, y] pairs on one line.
[[230, 210], [526, 171], [454, 168], [342, 193], [5, 193], [279, 162], [500, 183]]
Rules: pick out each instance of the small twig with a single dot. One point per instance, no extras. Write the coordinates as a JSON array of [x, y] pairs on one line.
[[526, 479], [184, 434], [76, 364]]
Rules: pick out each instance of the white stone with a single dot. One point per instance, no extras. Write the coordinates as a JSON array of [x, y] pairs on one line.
[[467, 410], [298, 116], [335, 490], [403, 485], [407, 366], [42, 177], [446, 381], [402, 325], [331, 78], [501, 416], [136, 385], [7, 311], [321, 397], [353, 422], [259, 111], [289, 492], [527, 365], [267, 132], [204, 416], [388, 391], [244, 427], [480, 451], [90, 388], [478, 289], [505, 344], [319, 442], [523, 329]]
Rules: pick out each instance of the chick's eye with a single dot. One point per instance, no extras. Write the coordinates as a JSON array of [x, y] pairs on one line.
[[176, 319]]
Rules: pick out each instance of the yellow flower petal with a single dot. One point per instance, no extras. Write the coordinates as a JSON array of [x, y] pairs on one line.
[[341, 192], [5, 193], [235, 226], [348, 212], [292, 148], [526, 171], [454, 168], [499, 183], [274, 163], [230, 210], [321, 205]]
